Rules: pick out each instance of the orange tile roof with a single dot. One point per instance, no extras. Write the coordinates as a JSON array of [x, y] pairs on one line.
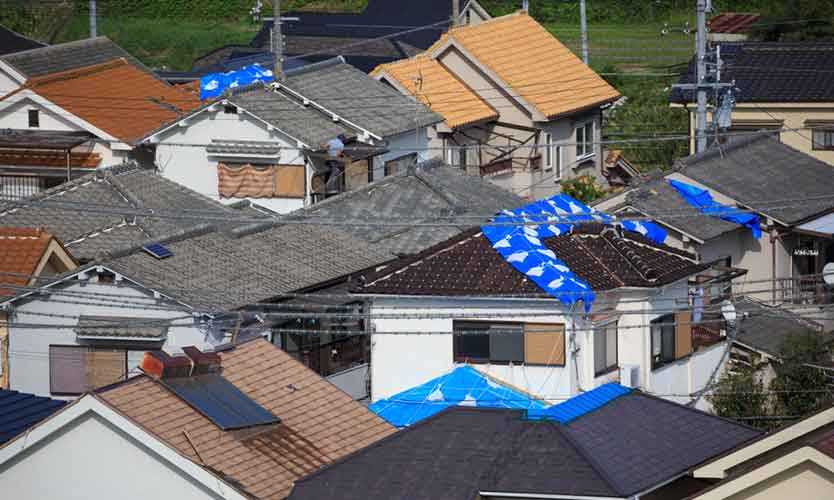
[[319, 423], [440, 90], [117, 97], [530, 61], [41, 158], [21, 249]]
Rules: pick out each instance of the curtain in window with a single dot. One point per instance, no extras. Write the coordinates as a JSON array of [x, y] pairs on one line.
[[260, 181]]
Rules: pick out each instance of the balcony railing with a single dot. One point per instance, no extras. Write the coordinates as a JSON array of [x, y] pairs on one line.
[[809, 290]]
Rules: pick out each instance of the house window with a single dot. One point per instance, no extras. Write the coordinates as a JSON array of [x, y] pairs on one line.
[[34, 118], [462, 157], [585, 141], [77, 369], [400, 164], [605, 348], [235, 180], [823, 140], [485, 342], [548, 152], [557, 163], [671, 337]]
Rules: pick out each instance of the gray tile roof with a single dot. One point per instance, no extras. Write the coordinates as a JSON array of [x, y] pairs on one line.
[[222, 269], [67, 56], [766, 175], [303, 123], [98, 212], [359, 98], [640, 441], [660, 201], [765, 328], [430, 191], [633, 443], [11, 41], [111, 326]]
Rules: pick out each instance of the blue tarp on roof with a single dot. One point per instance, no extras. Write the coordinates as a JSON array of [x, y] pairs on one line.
[[214, 84], [517, 235], [577, 406], [19, 411], [702, 200], [464, 386]]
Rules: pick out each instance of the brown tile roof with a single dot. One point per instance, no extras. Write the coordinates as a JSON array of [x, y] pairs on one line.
[[40, 158], [318, 422], [732, 22], [529, 59], [468, 265], [117, 97], [21, 249], [440, 90]]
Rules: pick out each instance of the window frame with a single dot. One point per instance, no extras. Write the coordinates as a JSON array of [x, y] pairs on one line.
[[606, 327], [34, 118], [666, 321], [557, 167], [586, 145], [548, 152], [816, 146], [460, 326]]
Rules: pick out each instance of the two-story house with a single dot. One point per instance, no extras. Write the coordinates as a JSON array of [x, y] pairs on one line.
[[518, 106], [782, 87]]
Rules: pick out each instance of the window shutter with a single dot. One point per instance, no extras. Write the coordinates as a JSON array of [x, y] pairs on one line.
[[290, 181], [66, 369], [683, 333], [544, 344], [105, 366]]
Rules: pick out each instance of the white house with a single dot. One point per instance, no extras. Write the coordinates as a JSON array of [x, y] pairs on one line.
[[267, 144], [466, 304]]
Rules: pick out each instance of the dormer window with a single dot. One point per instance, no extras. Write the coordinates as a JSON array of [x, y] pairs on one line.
[[34, 118]]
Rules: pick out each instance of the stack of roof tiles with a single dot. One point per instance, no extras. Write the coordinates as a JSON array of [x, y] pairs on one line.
[[319, 424]]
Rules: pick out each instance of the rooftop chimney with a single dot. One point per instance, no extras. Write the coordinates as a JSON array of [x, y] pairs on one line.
[[160, 364], [204, 362]]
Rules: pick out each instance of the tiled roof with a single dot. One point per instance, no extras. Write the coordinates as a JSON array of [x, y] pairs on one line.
[[19, 411], [629, 444], [772, 72], [440, 90], [732, 22], [319, 423], [11, 41], [533, 63], [124, 188], [111, 326], [430, 191], [66, 56], [468, 265], [758, 170], [116, 97], [766, 327], [40, 158], [21, 249]]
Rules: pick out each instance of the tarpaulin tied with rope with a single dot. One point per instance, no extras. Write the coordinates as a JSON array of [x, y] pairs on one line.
[[703, 201], [214, 84]]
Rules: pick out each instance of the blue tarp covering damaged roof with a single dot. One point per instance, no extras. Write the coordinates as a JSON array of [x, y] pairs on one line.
[[214, 84], [577, 406], [702, 200], [464, 386], [517, 235]]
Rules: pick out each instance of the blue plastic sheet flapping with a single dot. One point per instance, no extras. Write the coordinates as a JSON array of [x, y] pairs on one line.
[[214, 84], [464, 386], [702, 200], [582, 404], [517, 236]]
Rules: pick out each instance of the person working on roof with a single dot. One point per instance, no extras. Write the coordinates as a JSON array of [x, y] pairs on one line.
[[335, 152]]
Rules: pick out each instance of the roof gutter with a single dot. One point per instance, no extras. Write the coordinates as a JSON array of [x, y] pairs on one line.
[[502, 494]]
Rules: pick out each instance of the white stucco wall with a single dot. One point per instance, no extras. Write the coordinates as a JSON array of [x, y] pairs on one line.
[[29, 347], [404, 144], [92, 458]]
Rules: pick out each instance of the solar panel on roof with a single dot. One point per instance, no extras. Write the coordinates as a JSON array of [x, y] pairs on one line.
[[158, 250], [220, 401]]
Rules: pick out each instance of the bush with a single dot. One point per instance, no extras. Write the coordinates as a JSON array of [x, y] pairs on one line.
[[584, 188], [794, 375], [740, 395]]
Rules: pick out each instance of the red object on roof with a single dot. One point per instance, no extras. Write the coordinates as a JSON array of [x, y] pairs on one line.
[[732, 22]]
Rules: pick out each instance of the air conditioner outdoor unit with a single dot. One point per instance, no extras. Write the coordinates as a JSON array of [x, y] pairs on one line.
[[630, 376]]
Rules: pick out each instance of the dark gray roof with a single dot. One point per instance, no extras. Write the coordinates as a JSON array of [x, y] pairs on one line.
[[11, 41], [631, 444], [216, 270], [430, 191], [760, 170], [102, 211], [658, 200], [641, 441], [361, 99], [772, 71], [42, 139], [301, 122], [67, 56], [110, 326], [765, 328]]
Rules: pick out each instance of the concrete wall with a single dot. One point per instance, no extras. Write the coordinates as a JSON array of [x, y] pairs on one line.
[[805, 480], [94, 459], [29, 347]]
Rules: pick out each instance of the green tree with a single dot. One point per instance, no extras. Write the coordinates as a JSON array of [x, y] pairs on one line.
[[800, 387], [740, 395], [795, 20], [584, 188]]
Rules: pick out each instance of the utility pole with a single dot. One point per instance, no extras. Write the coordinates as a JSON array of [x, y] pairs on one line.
[[700, 77], [277, 40], [583, 27], [93, 19]]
